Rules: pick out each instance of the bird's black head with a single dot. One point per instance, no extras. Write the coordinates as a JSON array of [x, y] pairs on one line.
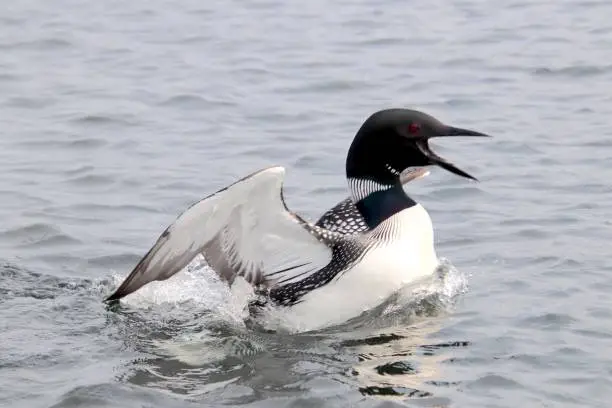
[[392, 140]]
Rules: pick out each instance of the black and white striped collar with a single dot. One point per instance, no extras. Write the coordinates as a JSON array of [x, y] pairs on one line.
[[378, 201], [360, 188]]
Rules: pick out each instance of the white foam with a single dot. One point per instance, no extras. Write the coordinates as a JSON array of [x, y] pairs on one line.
[[196, 284]]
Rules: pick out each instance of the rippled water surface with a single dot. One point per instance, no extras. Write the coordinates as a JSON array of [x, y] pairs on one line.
[[117, 115]]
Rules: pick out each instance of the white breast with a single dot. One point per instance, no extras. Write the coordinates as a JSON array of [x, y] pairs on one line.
[[407, 256]]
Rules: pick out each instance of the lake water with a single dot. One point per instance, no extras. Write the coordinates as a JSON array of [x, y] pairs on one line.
[[115, 116]]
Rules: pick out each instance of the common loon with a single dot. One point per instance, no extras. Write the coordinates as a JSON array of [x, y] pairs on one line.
[[358, 253]]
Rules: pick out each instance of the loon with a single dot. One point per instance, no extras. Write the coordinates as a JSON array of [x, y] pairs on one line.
[[357, 254]]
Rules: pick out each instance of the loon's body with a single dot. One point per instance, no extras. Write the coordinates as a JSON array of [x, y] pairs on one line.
[[401, 252], [359, 252]]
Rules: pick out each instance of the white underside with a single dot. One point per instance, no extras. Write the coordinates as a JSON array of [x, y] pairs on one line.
[[385, 269]]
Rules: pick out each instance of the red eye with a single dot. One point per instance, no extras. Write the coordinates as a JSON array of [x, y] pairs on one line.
[[414, 128]]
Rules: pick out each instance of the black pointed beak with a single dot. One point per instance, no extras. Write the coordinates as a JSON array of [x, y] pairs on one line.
[[445, 164], [455, 131]]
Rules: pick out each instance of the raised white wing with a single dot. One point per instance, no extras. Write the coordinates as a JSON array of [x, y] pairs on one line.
[[243, 230]]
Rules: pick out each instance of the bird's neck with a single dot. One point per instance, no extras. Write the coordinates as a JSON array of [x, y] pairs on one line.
[[373, 181], [376, 201]]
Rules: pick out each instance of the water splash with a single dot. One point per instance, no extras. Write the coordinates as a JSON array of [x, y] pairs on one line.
[[192, 351], [196, 286]]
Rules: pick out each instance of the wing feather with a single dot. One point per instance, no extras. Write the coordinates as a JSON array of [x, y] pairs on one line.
[[242, 230]]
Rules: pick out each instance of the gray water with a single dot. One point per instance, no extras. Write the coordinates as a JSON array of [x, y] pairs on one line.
[[115, 116]]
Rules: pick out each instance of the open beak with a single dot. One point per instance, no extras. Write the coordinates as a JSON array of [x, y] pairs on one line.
[[445, 164]]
